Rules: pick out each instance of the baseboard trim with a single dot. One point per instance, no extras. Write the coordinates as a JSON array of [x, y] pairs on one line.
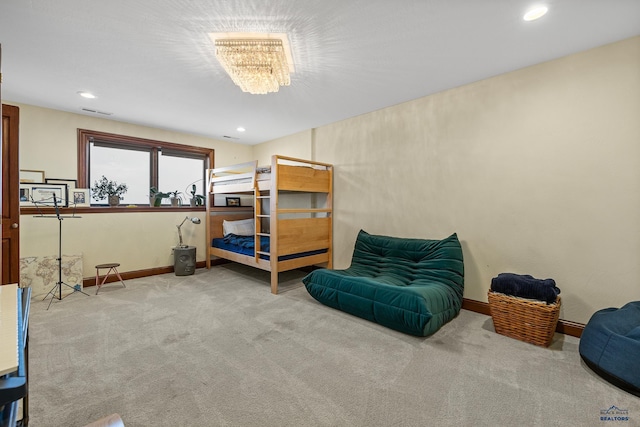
[[565, 327], [136, 274], [568, 327], [476, 306]]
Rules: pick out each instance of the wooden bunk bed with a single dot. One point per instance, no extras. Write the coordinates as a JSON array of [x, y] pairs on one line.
[[286, 238]]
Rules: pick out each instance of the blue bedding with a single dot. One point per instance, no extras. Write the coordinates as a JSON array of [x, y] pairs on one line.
[[245, 245], [247, 242]]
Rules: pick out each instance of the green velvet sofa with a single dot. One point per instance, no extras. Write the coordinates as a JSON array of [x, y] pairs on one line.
[[410, 285]]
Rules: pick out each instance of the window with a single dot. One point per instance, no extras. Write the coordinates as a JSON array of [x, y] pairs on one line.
[[141, 164], [179, 171], [122, 165]]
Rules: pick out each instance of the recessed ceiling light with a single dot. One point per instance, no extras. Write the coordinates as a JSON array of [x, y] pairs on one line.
[[535, 13], [240, 129], [88, 95]]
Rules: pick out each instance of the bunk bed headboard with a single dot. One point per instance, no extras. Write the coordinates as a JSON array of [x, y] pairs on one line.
[[229, 214], [311, 177]]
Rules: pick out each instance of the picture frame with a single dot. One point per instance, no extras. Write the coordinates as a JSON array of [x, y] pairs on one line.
[[71, 183], [233, 202], [30, 175], [25, 195], [42, 194], [79, 197]]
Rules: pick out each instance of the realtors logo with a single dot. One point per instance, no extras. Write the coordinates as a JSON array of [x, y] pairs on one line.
[[614, 414]]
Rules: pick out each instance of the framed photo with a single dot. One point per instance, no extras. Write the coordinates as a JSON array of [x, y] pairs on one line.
[[28, 175], [79, 197], [25, 195], [233, 201], [71, 183], [43, 194]]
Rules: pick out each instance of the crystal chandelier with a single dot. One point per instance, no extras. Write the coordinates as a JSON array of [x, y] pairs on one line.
[[258, 66]]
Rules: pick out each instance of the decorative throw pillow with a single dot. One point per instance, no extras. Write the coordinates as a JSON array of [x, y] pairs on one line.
[[243, 227]]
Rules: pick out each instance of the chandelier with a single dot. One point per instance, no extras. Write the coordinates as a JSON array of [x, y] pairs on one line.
[[258, 66]]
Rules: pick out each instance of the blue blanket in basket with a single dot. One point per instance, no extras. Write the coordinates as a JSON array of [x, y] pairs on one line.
[[525, 286]]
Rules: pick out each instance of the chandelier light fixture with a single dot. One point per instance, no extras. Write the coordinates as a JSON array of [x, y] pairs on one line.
[[258, 65]]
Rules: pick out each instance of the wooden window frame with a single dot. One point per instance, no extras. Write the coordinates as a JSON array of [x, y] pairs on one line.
[[86, 137]]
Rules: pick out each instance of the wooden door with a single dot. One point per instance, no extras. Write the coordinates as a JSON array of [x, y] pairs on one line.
[[10, 196]]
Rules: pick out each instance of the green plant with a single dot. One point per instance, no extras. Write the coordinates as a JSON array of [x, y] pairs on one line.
[[104, 188], [198, 199], [157, 196]]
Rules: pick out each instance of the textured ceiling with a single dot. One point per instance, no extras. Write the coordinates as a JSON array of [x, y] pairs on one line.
[[150, 62]]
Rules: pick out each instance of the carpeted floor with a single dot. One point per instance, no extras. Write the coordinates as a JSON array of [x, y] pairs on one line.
[[218, 349]]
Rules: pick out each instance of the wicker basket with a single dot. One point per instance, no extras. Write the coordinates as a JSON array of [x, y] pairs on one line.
[[523, 319]]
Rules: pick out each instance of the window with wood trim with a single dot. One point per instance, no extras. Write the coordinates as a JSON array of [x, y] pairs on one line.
[[141, 164]]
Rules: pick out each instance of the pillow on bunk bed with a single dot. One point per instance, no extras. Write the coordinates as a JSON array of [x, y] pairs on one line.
[[243, 227]]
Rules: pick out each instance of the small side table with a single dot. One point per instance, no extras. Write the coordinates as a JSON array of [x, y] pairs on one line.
[[184, 260], [112, 268]]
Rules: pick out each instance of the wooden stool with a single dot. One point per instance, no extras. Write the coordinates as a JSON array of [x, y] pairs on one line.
[[112, 267]]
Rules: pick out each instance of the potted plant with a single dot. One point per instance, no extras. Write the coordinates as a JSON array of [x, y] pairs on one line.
[[155, 197], [174, 197], [196, 199], [107, 189]]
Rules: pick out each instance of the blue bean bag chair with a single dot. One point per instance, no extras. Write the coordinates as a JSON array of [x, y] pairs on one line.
[[610, 346], [410, 285]]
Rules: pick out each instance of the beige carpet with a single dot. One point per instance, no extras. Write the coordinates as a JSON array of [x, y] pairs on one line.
[[217, 349]]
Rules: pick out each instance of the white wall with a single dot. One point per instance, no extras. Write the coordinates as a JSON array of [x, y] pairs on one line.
[[138, 241], [538, 171], [296, 145]]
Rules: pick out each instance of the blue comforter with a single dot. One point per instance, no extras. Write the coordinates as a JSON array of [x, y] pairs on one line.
[[248, 242]]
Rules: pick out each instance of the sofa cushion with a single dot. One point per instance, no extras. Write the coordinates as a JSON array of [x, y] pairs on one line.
[[410, 285]]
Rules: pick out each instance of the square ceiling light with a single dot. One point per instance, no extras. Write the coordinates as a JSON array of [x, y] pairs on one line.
[[258, 63]]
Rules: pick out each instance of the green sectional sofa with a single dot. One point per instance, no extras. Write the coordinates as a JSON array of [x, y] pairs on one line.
[[410, 285]]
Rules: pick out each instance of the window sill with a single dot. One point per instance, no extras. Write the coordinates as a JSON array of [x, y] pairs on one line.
[[107, 209]]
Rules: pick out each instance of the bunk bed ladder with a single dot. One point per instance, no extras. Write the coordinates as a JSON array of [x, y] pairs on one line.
[[259, 215], [273, 223]]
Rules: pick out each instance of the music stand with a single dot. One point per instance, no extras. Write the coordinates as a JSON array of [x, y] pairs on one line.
[[58, 286]]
